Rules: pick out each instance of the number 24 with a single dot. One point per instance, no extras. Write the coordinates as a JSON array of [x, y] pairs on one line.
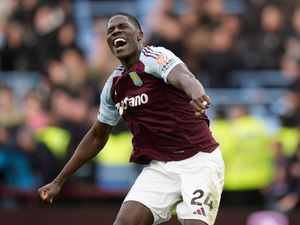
[[200, 194]]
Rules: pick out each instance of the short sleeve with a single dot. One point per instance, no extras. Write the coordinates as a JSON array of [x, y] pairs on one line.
[[159, 61], [107, 112]]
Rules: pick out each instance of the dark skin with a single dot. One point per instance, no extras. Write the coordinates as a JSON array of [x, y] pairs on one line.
[[131, 212]]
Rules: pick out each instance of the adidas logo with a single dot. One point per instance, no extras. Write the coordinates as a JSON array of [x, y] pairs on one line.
[[200, 211]]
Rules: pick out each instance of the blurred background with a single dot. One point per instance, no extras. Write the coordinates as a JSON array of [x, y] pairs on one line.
[[54, 62]]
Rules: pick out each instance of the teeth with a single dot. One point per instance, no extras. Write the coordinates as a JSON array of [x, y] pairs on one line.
[[119, 40]]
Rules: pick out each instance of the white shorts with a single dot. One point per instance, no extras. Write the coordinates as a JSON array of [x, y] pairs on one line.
[[193, 185]]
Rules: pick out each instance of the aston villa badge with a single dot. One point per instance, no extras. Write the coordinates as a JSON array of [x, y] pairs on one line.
[[136, 79]]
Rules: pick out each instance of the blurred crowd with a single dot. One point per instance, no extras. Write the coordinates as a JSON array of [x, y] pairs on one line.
[[40, 129]]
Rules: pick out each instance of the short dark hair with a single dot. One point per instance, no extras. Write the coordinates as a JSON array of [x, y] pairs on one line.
[[132, 18]]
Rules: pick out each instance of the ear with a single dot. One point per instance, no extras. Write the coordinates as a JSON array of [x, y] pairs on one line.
[[140, 36]]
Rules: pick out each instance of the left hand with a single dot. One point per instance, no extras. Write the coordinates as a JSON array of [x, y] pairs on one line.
[[200, 104]]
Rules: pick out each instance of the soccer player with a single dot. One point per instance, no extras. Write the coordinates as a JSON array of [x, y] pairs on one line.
[[164, 106]]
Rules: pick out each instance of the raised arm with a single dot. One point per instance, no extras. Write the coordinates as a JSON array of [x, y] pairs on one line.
[[91, 144], [181, 78]]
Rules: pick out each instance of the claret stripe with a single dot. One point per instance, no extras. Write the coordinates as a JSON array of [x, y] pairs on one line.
[[120, 68], [150, 51], [149, 55]]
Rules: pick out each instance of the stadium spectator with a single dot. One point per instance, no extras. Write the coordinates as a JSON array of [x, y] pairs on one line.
[[291, 199], [10, 115], [196, 44], [266, 43], [288, 134], [15, 168], [293, 40], [290, 68], [66, 38], [55, 76], [46, 23], [34, 111], [168, 33], [249, 167], [290, 64], [279, 186], [15, 53], [291, 115], [221, 58], [43, 163], [72, 116]]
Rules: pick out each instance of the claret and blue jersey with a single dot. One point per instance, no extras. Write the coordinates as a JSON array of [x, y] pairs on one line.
[[155, 111]]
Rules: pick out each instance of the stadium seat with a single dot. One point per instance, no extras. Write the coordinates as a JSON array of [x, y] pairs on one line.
[[115, 177]]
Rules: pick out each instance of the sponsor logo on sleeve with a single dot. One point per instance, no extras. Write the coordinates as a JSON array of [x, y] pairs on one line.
[[161, 59], [168, 64]]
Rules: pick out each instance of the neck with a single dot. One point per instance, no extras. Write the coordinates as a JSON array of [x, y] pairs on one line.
[[131, 60]]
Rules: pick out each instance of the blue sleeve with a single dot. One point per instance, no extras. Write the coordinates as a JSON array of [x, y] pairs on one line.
[[107, 112]]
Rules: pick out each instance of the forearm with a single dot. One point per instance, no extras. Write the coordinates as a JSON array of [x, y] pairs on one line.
[[180, 77], [192, 87], [184, 80]]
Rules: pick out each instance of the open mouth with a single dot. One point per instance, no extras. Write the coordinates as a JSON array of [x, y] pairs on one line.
[[119, 42]]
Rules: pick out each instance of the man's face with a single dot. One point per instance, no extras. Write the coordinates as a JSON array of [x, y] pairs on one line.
[[123, 37]]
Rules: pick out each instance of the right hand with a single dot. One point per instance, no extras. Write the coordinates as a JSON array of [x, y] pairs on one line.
[[49, 191], [200, 104]]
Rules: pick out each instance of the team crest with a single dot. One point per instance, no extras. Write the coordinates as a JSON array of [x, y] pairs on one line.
[[136, 79]]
